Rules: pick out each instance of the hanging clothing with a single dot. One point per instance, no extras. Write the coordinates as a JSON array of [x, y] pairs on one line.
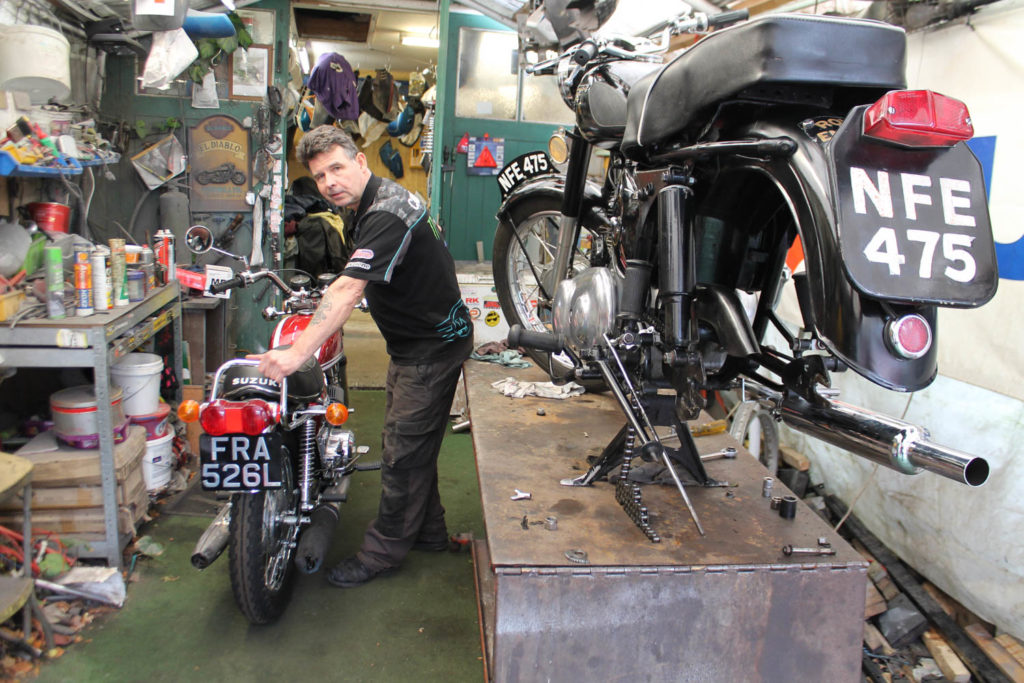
[[334, 84]]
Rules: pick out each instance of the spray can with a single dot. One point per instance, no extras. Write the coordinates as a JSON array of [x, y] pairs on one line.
[[165, 254], [54, 261], [119, 274], [83, 283], [100, 281], [148, 267]]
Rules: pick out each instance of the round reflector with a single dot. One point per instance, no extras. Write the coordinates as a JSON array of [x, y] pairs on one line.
[[336, 414], [188, 411], [910, 336]]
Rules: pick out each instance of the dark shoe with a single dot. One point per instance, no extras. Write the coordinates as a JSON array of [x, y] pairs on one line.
[[432, 546], [350, 573]]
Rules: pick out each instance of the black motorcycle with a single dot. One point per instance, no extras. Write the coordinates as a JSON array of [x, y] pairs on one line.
[[785, 127]]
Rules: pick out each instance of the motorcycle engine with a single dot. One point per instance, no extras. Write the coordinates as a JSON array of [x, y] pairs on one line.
[[585, 308]]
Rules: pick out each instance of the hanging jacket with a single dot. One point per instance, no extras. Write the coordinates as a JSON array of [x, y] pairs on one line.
[[334, 84]]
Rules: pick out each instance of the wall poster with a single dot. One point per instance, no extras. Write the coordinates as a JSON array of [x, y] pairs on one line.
[[219, 165]]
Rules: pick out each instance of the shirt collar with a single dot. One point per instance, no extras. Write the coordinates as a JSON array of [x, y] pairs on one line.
[[369, 194]]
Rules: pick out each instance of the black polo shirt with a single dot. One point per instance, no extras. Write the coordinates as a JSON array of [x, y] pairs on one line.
[[411, 287]]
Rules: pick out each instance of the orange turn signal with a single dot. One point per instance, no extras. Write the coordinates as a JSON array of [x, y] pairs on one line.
[[336, 414], [188, 411]]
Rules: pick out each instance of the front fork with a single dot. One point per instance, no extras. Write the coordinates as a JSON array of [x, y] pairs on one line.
[[572, 207]]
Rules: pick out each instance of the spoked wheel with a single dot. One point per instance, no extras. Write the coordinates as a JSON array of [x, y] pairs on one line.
[[757, 430], [261, 548], [523, 262]]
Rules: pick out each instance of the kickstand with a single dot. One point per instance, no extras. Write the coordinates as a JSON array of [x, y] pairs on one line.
[[605, 463]]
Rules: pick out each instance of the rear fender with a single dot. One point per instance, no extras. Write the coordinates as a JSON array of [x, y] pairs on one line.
[[849, 324]]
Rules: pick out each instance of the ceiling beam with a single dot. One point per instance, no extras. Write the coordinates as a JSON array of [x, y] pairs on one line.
[[418, 6]]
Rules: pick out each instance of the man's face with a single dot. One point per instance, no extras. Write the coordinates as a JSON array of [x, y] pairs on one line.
[[340, 179]]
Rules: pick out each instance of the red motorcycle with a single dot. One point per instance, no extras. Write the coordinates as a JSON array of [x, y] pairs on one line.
[[276, 450]]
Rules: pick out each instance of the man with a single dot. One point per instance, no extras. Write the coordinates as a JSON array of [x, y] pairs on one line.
[[403, 268]]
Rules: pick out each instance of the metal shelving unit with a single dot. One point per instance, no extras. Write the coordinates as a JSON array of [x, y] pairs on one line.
[[96, 342]]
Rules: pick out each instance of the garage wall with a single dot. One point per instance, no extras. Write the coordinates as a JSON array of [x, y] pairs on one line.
[[964, 540]]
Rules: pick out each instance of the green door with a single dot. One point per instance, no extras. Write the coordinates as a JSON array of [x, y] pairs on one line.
[[481, 94]]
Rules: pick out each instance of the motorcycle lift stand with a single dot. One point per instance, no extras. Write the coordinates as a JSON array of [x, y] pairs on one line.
[[594, 597]]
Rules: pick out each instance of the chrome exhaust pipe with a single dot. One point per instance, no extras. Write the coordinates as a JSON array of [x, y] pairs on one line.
[[894, 443], [213, 541]]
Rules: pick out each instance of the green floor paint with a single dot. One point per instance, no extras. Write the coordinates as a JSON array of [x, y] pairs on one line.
[[420, 624]]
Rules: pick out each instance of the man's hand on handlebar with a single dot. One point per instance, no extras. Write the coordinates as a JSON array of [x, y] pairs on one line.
[[278, 363]]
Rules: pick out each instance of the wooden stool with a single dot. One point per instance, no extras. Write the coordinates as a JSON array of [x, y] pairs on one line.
[[16, 592]]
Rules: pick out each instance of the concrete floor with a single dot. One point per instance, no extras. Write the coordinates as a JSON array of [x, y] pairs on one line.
[[179, 624]]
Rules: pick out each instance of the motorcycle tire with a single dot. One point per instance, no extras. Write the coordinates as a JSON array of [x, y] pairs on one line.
[[261, 567], [536, 223], [759, 433], [238, 178]]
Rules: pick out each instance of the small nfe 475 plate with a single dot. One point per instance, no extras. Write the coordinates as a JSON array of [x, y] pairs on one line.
[[237, 462]]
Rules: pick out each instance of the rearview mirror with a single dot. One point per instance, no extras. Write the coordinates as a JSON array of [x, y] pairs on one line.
[[199, 239]]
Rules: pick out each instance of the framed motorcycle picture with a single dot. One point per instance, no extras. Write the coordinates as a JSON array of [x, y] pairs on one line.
[[219, 165], [250, 72]]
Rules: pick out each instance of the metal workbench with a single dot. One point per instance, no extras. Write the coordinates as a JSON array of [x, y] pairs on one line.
[[728, 606], [96, 342]]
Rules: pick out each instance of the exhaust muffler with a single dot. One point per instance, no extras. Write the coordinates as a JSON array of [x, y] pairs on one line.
[[898, 445], [213, 541], [316, 538]]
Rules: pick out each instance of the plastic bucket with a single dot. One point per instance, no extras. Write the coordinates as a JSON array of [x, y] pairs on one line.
[[139, 375], [158, 462], [155, 424], [35, 59], [50, 216]]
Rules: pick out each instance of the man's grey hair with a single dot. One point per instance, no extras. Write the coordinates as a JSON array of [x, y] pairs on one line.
[[323, 139]]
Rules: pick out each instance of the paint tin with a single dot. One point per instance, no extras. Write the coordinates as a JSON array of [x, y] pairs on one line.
[[83, 283], [136, 285], [54, 261], [100, 280], [119, 274]]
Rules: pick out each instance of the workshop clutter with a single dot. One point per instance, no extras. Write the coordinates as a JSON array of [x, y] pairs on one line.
[[67, 491], [34, 59]]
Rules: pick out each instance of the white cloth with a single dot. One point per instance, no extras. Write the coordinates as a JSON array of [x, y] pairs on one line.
[[515, 389]]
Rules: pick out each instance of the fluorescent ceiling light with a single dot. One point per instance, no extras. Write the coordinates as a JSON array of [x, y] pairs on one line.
[[420, 41]]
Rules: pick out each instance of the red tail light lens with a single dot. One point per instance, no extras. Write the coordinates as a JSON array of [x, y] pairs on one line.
[[237, 417], [910, 336], [256, 417], [918, 118], [213, 418]]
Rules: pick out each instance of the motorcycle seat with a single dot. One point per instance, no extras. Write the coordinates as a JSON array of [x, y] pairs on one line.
[[240, 382], [762, 60]]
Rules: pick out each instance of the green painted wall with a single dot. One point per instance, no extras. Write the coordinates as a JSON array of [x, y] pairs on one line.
[[126, 202]]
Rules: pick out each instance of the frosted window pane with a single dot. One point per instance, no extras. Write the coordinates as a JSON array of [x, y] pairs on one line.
[[542, 102], [487, 75]]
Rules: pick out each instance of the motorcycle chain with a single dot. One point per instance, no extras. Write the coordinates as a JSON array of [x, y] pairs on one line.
[[629, 495]]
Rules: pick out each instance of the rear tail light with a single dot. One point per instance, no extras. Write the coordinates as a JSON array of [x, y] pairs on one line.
[[237, 417], [909, 336], [918, 118]]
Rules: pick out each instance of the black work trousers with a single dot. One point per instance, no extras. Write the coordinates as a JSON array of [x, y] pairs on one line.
[[415, 419]]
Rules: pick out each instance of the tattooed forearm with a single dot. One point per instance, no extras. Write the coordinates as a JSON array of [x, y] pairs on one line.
[[322, 309]]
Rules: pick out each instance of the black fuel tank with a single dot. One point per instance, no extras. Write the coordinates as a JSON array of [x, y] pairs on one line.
[[601, 101]]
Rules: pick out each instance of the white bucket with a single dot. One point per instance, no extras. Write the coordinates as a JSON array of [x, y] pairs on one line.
[[34, 59], [139, 375], [158, 462]]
